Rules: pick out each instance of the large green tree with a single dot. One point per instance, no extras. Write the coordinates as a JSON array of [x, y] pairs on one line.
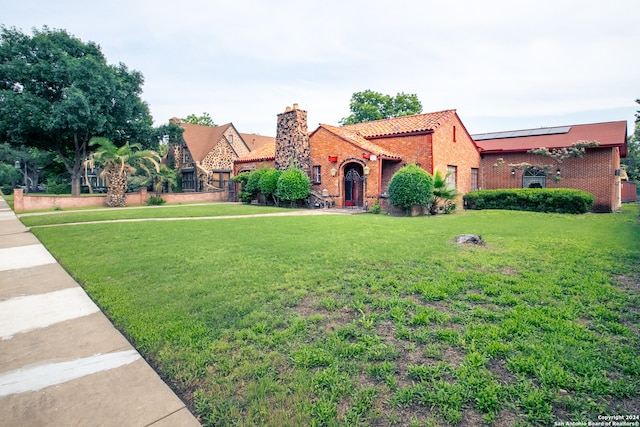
[[203, 120], [368, 105], [632, 161], [57, 92]]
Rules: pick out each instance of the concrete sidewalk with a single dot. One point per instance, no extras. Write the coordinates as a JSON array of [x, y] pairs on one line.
[[62, 362]]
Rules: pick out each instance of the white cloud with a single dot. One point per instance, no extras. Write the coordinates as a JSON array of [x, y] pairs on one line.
[[244, 61]]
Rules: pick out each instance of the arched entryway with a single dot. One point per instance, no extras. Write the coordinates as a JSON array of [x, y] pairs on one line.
[[353, 185]]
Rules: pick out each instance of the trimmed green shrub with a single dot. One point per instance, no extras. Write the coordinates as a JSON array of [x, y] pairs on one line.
[[253, 183], [155, 201], [293, 185], [269, 184], [250, 184], [410, 186], [376, 209], [559, 200], [242, 178]]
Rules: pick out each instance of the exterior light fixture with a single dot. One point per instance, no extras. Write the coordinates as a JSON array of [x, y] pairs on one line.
[[513, 172], [366, 170], [333, 171], [558, 172], [17, 164]]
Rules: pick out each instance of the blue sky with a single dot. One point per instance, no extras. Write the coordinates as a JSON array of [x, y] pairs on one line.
[[501, 64]]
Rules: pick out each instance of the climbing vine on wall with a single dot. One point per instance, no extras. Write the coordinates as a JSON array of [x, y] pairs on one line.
[[576, 150]]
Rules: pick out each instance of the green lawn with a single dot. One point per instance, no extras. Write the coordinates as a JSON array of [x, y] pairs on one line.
[[375, 320], [138, 212]]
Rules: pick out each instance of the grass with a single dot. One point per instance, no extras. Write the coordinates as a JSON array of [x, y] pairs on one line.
[[375, 320], [54, 217]]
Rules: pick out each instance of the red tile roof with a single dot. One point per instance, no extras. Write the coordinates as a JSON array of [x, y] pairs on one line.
[[605, 134], [402, 125], [350, 134], [263, 153], [254, 141]]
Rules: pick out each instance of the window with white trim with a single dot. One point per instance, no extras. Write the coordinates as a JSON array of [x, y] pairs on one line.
[[317, 175], [452, 172]]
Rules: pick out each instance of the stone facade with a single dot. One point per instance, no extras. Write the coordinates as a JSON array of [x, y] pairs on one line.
[[206, 158], [292, 140]]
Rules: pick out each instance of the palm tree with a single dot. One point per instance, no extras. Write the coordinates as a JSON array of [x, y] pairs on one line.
[[118, 163], [441, 191], [161, 177]]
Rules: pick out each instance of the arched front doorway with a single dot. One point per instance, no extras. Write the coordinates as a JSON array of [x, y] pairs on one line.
[[353, 185]]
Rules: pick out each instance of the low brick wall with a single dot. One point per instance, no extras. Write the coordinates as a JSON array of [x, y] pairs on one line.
[[22, 202]]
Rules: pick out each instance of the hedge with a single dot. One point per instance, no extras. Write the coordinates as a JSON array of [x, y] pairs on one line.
[[559, 200]]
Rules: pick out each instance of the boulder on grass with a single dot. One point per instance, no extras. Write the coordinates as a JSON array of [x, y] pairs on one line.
[[472, 239]]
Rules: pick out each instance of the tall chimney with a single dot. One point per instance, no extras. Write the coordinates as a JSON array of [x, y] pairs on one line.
[[292, 140]]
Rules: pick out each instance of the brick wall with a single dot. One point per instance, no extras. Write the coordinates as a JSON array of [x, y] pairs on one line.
[[292, 139], [594, 173], [452, 146], [43, 202], [324, 144]]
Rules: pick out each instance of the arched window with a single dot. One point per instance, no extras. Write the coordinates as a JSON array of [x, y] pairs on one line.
[[534, 178]]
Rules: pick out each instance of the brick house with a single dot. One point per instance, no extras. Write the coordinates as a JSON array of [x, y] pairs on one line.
[[351, 166], [205, 159], [597, 172]]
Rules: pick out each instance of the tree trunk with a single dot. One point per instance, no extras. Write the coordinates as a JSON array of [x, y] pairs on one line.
[[116, 187], [75, 185]]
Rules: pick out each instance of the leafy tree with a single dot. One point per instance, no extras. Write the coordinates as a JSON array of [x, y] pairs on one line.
[[269, 184], [31, 159], [410, 186], [369, 105], [632, 161], [57, 92], [203, 120], [441, 193], [118, 163], [293, 185]]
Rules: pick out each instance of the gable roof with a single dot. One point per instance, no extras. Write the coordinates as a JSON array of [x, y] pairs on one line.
[[202, 139], [419, 123], [263, 153], [608, 134], [255, 141], [354, 137]]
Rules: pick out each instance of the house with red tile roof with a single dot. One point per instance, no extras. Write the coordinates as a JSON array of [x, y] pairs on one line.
[[351, 166], [508, 160], [205, 159]]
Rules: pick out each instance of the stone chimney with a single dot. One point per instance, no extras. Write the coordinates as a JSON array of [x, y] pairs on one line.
[[292, 140]]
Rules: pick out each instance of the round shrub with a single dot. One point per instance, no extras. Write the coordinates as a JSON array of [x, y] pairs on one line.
[[268, 183], [410, 186], [253, 183], [293, 184]]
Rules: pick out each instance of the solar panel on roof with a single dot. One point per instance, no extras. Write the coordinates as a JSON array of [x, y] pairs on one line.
[[521, 133]]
